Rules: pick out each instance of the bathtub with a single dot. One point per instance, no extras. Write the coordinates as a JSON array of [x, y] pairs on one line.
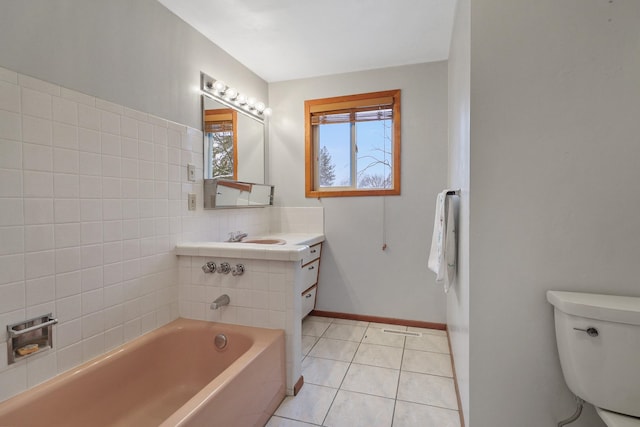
[[173, 376]]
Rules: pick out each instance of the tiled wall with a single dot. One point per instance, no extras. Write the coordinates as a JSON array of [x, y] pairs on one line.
[[92, 203]]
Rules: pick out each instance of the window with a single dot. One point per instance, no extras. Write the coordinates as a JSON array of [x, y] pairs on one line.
[[220, 129], [352, 145]]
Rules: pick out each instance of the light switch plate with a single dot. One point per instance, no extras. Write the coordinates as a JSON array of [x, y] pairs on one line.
[[192, 201], [191, 172]]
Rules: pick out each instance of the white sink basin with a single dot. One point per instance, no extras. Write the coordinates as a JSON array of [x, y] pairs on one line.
[[265, 241]]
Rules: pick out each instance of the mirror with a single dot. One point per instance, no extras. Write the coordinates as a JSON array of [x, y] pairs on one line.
[[234, 143], [226, 193]]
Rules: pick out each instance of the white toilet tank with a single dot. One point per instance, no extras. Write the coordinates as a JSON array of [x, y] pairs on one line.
[[599, 346]]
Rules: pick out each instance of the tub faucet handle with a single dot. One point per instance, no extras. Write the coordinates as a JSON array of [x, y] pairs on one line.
[[209, 267]]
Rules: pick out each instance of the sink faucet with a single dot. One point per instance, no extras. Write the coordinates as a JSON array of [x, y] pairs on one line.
[[220, 301], [236, 236]]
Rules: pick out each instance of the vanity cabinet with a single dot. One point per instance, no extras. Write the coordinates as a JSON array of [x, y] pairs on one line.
[[310, 268]]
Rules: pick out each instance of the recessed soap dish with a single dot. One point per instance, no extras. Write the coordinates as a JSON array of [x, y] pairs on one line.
[[29, 337]]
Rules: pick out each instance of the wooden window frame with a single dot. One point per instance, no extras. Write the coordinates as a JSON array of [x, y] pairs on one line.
[[344, 102]]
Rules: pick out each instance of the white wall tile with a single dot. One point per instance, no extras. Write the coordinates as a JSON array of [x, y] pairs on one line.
[[41, 290], [69, 357], [36, 130], [10, 154], [88, 117], [11, 212], [38, 238], [65, 110], [67, 235], [67, 260], [38, 184], [92, 278], [91, 232], [90, 210], [70, 332], [65, 136], [111, 144], [37, 157], [92, 301], [112, 231], [66, 185], [13, 297], [39, 264], [40, 368], [89, 140], [10, 125], [129, 168], [66, 210], [38, 85], [109, 106], [68, 284], [11, 240], [10, 183], [91, 256], [111, 188], [36, 103], [145, 131], [90, 187], [92, 324], [90, 164], [36, 211], [77, 96], [111, 166], [12, 267], [65, 161], [112, 252], [9, 96], [129, 188], [110, 122]]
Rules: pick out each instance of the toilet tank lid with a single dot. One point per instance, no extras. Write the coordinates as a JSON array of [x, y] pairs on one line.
[[610, 308]]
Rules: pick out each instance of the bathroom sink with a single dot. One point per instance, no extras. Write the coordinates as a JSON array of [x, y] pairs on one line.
[[265, 241]]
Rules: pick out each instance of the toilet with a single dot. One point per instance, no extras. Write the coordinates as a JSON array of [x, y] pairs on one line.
[[598, 339]]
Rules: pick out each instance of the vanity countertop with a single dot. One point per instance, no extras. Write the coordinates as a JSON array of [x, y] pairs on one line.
[[296, 247]]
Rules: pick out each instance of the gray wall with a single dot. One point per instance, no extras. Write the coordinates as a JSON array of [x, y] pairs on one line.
[[459, 174], [555, 149], [356, 276], [134, 53]]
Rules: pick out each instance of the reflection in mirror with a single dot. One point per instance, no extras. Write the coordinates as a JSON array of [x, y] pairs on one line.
[[246, 134], [225, 193], [220, 142]]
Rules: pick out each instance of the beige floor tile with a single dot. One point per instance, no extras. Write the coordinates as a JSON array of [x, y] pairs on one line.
[[427, 362], [285, 422], [428, 342], [376, 335], [324, 372], [319, 319], [350, 322], [313, 328], [334, 349], [345, 332], [379, 355], [359, 410], [427, 389], [371, 380], [409, 414], [308, 342], [310, 405]]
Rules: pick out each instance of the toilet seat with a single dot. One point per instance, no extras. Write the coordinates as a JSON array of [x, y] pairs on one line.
[[614, 419]]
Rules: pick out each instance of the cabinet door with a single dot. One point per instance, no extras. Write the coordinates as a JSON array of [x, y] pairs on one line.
[[308, 301], [314, 253]]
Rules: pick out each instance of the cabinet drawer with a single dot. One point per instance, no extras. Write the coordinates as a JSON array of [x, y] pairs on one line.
[[308, 301], [314, 253], [310, 274]]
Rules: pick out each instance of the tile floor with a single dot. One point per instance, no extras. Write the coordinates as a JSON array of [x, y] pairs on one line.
[[357, 375]]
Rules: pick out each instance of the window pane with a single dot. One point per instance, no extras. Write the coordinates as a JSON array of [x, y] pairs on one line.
[[374, 154], [334, 155]]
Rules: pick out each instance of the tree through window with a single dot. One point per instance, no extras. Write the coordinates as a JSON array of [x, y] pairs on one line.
[[353, 145]]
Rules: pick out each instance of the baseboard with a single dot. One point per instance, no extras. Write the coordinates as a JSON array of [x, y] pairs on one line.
[[298, 385], [378, 319]]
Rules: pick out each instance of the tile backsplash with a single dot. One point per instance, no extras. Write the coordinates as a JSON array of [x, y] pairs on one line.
[[93, 199]]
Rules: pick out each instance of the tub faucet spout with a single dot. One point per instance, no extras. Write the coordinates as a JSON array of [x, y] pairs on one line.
[[220, 301]]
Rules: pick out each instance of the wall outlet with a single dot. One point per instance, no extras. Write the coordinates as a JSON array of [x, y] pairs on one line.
[[191, 172], [192, 201]]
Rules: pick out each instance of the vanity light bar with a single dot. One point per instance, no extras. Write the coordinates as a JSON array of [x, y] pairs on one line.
[[230, 96]]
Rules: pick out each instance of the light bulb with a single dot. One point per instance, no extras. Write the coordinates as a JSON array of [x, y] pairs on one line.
[[231, 93], [251, 102], [267, 111], [219, 86], [260, 107], [242, 99]]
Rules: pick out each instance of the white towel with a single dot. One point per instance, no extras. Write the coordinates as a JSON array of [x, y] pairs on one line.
[[442, 258]]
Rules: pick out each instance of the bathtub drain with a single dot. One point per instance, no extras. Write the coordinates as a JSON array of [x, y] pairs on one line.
[[220, 341]]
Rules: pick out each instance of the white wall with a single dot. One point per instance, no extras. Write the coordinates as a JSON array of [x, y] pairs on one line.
[[356, 276], [135, 53], [93, 188], [554, 170], [459, 174]]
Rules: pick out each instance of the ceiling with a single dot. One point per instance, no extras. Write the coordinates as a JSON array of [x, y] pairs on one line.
[[292, 39]]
